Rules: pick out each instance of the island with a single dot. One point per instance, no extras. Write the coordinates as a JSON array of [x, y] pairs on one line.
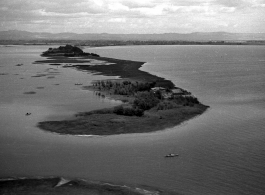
[[149, 103], [68, 51]]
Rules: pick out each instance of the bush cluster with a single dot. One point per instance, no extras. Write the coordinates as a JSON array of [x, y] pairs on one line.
[[176, 102], [128, 111], [145, 100], [166, 105], [186, 100], [124, 87]]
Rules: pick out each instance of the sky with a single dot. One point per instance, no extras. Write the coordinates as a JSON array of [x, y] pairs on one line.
[[133, 16]]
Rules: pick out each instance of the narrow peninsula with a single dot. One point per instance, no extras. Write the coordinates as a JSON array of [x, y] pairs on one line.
[[150, 103]]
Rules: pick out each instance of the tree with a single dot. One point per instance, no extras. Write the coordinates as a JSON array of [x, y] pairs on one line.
[[145, 100]]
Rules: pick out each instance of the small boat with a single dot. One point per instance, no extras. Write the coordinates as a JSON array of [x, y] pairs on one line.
[[67, 65], [171, 155], [28, 113]]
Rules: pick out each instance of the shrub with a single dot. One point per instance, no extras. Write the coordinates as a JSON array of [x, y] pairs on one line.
[[145, 100], [138, 112], [159, 95], [128, 111], [118, 110], [166, 105], [194, 100]]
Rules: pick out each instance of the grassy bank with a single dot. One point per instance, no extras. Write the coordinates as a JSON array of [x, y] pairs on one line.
[[108, 123]]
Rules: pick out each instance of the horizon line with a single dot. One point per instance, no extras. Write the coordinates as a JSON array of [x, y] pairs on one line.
[[135, 33]]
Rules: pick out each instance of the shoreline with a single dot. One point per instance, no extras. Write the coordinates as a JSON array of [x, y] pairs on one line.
[[107, 121], [60, 185]]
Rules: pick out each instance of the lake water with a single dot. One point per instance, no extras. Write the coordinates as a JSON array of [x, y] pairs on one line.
[[221, 151]]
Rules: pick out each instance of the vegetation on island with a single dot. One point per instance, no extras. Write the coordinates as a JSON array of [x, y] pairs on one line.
[[143, 96], [68, 51], [145, 108]]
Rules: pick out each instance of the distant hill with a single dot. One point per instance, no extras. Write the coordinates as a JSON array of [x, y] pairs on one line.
[[196, 36]]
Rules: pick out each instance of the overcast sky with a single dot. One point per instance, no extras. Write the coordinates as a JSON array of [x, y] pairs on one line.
[[133, 16]]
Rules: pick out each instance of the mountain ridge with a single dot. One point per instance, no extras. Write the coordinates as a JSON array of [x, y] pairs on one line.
[[194, 36]]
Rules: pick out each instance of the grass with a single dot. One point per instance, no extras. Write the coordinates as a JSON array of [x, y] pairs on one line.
[[108, 123]]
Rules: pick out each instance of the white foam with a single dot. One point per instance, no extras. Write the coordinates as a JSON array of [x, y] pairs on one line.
[[62, 182]]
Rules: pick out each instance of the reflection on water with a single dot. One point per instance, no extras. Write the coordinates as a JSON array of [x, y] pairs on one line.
[[221, 151]]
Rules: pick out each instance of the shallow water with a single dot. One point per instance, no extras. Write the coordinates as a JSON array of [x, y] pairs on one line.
[[221, 151]]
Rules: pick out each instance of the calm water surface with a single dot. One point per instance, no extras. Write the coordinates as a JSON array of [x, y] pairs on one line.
[[221, 151]]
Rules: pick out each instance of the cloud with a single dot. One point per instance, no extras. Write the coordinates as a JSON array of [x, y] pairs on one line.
[[138, 4], [125, 16], [119, 20], [229, 3]]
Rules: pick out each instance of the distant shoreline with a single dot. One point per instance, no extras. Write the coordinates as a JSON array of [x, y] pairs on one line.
[[105, 121], [113, 43]]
